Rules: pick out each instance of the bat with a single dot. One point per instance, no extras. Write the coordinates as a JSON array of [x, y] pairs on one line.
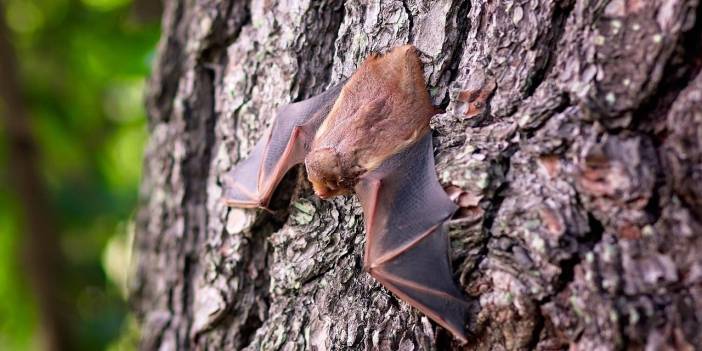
[[370, 136]]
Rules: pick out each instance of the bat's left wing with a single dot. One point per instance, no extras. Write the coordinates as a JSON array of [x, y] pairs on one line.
[[407, 248], [251, 183]]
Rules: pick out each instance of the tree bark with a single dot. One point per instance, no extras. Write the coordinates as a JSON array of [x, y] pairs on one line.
[[572, 134]]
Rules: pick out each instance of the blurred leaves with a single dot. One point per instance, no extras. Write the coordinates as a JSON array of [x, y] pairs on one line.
[[83, 65]]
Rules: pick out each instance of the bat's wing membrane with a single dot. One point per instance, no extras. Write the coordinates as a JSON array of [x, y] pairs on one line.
[[251, 183], [407, 247]]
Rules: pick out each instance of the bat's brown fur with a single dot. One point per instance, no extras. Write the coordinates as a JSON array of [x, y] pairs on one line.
[[384, 108]]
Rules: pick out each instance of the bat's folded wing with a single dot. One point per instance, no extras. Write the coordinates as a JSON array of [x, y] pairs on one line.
[[252, 181], [407, 247]]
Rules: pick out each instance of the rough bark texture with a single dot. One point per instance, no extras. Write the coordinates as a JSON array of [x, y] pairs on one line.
[[572, 132]]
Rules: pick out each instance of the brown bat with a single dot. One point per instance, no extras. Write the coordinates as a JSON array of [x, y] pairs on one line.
[[371, 136]]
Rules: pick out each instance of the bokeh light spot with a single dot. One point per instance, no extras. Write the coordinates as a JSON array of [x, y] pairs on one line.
[[24, 16]]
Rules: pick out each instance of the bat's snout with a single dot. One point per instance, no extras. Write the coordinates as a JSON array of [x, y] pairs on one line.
[[326, 189]]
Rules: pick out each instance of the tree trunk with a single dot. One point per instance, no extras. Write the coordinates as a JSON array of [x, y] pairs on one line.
[[572, 131]]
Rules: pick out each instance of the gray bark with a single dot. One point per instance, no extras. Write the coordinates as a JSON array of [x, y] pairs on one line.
[[572, 134]]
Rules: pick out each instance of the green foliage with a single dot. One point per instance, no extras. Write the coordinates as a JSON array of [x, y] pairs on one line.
[[83, 65]]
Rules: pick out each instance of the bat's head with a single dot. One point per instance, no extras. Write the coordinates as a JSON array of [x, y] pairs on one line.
[[328, 174]]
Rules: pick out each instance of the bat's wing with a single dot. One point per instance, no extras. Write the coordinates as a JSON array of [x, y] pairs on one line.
[[251, 183], [407, 247]]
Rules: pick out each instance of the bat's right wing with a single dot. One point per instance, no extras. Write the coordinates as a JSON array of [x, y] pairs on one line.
[[252, 181], [407, 248]]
